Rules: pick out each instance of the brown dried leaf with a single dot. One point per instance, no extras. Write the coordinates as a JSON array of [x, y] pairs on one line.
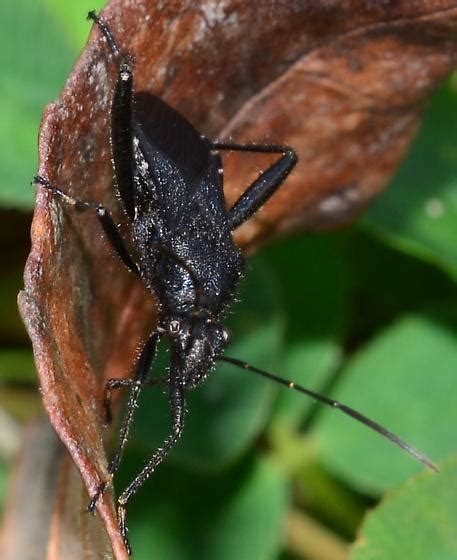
[[46, 496], [343, 82]]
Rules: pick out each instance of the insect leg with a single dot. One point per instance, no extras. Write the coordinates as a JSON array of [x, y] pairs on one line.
[[142, 369], [177, 407], [265, 185], [104, 217], [121, 120], [113, 384]]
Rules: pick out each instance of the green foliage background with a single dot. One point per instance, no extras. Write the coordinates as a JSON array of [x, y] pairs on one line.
[[367, 315]]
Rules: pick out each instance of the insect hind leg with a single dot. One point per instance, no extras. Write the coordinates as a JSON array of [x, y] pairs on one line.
[[266, 183], [106, 32], [121, 119]]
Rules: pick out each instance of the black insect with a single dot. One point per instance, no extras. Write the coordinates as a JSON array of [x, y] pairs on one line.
[[170, 181]]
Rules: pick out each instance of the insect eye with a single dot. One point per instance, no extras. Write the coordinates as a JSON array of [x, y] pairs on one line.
[[173, 327], [226, 335]]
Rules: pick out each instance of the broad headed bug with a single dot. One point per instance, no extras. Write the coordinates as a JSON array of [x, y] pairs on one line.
[[170, 181]]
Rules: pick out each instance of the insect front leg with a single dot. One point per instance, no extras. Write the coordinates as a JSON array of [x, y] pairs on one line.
[[177, 407], [137, 383], [114, 383], [110, 228], [266, 183]]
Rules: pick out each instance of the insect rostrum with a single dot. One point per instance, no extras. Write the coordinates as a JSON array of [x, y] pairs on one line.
[[170, 182]]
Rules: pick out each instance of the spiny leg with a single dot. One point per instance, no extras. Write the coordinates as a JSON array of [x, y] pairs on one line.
[[110, 228], [142, 369], [121, 120], [113, 384], [106, 32], [177, 407], [266, 183]]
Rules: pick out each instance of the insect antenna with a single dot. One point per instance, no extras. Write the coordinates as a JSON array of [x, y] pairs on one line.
[[339, 406]]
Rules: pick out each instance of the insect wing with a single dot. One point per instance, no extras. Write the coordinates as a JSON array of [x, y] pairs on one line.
[[171, 134]]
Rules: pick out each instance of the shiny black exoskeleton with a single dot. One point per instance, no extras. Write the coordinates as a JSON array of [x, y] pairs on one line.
[[170, 181]]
